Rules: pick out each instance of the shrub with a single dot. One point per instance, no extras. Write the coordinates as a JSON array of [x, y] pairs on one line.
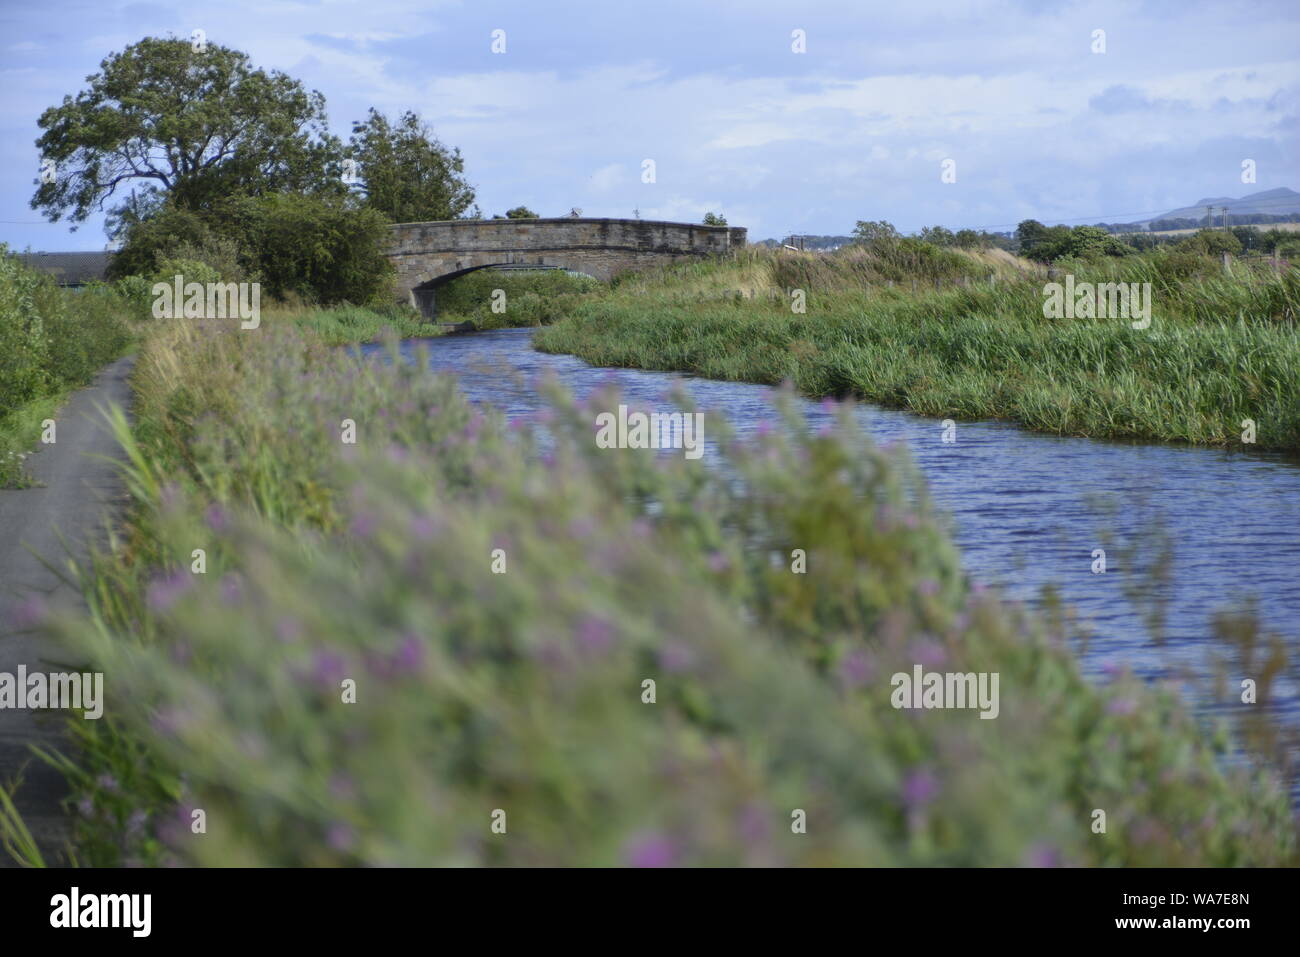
[[190, 270], [1179, 264], [24, 344], [86, 328], [312, 247], [156, 238], [319, 249], [1212, 242]]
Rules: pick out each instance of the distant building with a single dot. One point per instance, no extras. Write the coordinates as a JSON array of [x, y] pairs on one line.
[[70, 269]]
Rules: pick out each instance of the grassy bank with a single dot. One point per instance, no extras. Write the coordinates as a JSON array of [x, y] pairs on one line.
[[345, 324], [52, 340], [385, 647], [971, 340]]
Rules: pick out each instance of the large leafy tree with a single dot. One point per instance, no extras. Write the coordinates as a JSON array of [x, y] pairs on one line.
[[407, 174], [165, 123]]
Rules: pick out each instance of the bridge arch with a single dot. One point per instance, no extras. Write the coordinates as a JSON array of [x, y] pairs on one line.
[[425, 295], [427, 255]]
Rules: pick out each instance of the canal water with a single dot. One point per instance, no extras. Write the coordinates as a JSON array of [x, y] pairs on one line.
[[1027, 510]]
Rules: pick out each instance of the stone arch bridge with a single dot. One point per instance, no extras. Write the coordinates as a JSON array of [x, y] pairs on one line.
[[429, 254]]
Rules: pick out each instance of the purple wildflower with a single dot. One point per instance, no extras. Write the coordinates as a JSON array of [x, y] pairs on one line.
[[931, 654], [1121, 706], [595, 634], [423, 527], [232, 589], [919, 788], [856, 668], [363, 525], [216, 517], [653, 850], [165, 591], [753, 823], [675, 656], [410, 654], [328, 668], [1043, 855], [342, 786], [339, 837]]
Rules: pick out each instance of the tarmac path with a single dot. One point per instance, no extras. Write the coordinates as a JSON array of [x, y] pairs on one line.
[[78, 494]]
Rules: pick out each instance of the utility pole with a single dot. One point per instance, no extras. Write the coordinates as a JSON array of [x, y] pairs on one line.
[[1224, 210], [1209, 217]]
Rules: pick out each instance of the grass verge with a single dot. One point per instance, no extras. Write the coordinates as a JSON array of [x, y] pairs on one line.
[[1219, 350]]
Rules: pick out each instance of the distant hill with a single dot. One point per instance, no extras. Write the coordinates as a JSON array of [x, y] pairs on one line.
[[1259, 207]]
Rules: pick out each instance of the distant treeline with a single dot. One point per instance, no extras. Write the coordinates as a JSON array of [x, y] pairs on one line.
[[939, 235], [1034, 240]]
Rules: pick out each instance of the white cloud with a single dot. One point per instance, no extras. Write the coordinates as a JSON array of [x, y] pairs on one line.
[[609, 177]]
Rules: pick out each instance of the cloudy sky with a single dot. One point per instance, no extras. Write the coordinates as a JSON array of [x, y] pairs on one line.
[[857, 127]]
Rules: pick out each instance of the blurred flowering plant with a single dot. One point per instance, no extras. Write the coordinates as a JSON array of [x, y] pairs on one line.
[[643, 680]]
